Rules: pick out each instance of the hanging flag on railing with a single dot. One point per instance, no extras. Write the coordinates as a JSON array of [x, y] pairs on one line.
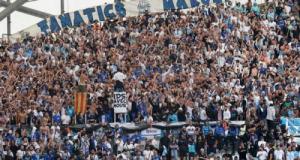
[[80, 100]]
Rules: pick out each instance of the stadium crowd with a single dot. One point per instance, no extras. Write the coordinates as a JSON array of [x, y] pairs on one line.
[[213, 63]]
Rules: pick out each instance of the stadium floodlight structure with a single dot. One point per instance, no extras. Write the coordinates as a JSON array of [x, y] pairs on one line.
[[26, 10], [12, 7], [17, 5]]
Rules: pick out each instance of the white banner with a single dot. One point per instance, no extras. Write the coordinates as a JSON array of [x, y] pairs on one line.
[[109, 11], [150, 132], [120, 102]]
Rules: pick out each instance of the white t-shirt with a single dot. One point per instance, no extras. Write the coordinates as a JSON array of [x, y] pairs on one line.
[[246, 29], [20, 154], [8, 153], [119, 76], [271, 113], [189, 110], [203, 115], [148, 154], [262, 155], [11, 54], [108, 145], [287, 9], [256, 99], [93, 157], [128, 146], [65, 119], [279, 154], [55, 132], [190, 130], [226, 114], [122, 156], [221, 61], [272, 24], [120, 144], [261, 143]]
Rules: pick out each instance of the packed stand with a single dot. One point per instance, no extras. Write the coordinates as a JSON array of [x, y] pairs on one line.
[[210, 64]]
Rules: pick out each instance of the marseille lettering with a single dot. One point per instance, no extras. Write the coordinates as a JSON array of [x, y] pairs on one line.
[[100, 13], [111, 11], [183, 4]]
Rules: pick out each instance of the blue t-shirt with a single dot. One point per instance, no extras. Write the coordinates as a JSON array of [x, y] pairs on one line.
[[290, 156], [36, 135], [35, 157], [28, 53], [142, 108], [137, 72], [271, 15], [281, 23], [56, 118], [114, 68], [233, 131], [219, 131], [18, 141], [192, 148], [70, 111], [156, 157], [103, 76], [255, 9], [69, 148], [148, 71], [206, 130], [157, 69], [173, 118], [64, 52], [263, 70], [296, 154]]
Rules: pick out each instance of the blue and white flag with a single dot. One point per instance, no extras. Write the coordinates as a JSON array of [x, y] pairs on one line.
[[292, 125]]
